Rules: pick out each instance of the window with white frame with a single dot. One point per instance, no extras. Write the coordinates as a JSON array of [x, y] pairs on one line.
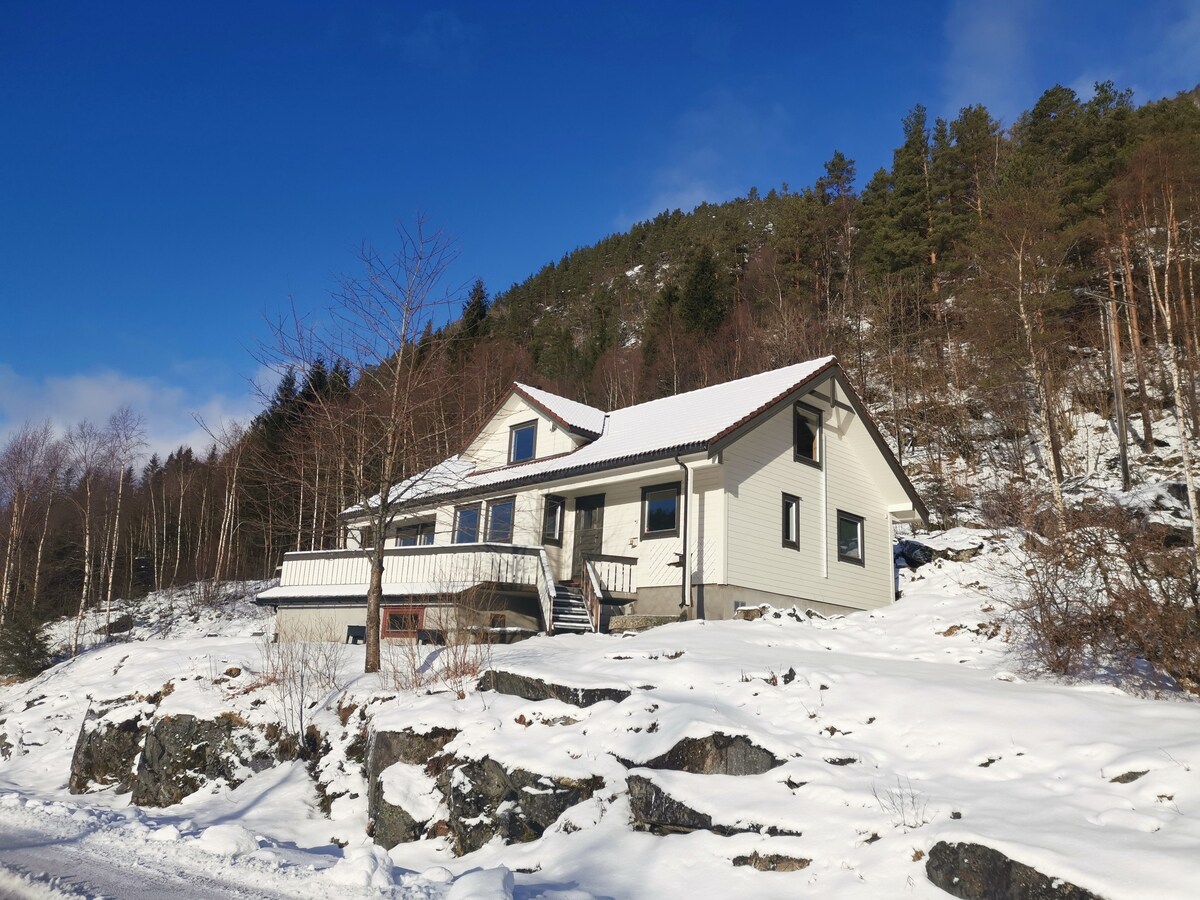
[[522, 442], [552, 520]]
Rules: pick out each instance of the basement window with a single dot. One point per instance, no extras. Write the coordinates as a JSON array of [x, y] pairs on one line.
[[402, 621], [522, 442], [850, 538]]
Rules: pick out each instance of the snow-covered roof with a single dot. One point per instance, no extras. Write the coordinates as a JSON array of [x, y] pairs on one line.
[[656, 428], [573, 415]]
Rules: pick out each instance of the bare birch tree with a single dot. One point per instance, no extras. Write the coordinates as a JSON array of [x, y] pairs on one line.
[[388, 420]]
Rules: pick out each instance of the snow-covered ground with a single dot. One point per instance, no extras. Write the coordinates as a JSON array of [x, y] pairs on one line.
[[897, 729]]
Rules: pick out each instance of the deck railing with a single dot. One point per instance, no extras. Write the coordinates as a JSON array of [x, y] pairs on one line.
[[617, 575], [429, 566]]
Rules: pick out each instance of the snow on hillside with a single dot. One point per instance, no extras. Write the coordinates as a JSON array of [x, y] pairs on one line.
[[895, 730]]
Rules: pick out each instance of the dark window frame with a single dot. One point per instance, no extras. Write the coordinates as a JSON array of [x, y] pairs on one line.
[[654, 489], [403, 609], [802, 411], [861, 559], [512, 441], [512, 522], [458, 511], [417, 530], [552, 501], [791, 521]]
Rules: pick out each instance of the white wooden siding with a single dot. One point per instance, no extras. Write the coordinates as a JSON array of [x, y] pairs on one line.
[[490, 447], [761, 468]]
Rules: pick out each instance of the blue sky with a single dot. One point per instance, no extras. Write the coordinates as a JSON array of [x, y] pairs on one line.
[[173, 174]]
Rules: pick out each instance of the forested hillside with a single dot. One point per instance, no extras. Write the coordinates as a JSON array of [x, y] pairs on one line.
[[985, 292]]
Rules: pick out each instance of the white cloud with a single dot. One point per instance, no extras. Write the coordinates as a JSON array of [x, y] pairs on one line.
[[707, 152], [171, 411], [988, 57]]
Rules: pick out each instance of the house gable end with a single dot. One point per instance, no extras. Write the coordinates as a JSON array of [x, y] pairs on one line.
[[505, 438]]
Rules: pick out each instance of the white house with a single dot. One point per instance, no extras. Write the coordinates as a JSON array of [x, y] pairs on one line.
[[775, 488]]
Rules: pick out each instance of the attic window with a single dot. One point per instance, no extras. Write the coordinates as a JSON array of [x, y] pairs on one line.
[[807, 431], [522, 442]]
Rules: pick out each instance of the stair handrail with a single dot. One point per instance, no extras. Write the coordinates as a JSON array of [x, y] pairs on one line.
[[546, 590], [592, 592]]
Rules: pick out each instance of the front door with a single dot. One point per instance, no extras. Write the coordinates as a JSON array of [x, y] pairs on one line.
[[589, 531]]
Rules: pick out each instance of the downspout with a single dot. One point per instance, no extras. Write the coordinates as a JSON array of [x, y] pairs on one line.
[[685, 599]]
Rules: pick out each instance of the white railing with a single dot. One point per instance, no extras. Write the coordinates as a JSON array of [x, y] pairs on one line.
[[453, 565], [546, 589], [593, 592], [617, 575]]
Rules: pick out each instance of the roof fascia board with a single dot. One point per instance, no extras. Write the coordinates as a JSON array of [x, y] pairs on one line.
[[551, 478], [802, 389], [551, 414], [864, 416]]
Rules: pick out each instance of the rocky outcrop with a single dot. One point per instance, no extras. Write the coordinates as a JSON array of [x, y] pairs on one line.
[[976, 872], [656, 811], [108, 745], [486, 800], [635, 622], [529, 688], [105, 753], [181, 754], [716, 754], [772, 862], [387, 823]]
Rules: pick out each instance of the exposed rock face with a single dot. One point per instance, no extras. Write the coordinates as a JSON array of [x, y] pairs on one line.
[[529, 688], [617, 624], [772, 862], [182, 753], [485, 800], [657, 811], [976, 872], [387, 823], [717, 754], [384, 748], [104, 754]]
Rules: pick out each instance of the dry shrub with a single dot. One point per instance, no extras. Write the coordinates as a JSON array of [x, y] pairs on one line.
[[456, 664], [302, 672], [1111, 589]]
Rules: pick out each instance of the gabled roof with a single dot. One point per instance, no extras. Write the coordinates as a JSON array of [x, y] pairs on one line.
[[696, 420], [572, 415]]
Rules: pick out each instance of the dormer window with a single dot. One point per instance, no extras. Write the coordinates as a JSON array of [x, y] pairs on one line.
[[522, 442]]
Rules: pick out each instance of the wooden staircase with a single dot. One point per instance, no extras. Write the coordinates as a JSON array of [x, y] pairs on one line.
[[570, 613]]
